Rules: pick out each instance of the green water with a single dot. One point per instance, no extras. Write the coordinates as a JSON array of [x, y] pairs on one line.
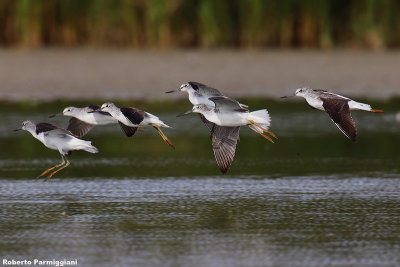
[[313, 198]]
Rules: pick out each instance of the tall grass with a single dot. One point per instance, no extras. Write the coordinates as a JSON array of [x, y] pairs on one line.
[[200, 23]]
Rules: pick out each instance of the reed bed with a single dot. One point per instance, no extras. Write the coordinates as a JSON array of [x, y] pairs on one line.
[[200, 23]]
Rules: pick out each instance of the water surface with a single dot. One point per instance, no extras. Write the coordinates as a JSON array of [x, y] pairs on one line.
[[313, 198]]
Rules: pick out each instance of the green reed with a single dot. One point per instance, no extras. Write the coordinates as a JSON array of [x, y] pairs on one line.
[[200, 23]]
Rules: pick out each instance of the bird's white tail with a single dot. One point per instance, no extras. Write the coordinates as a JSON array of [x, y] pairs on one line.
[[87, 146], [156, 120], [261, 117], [353, 105]]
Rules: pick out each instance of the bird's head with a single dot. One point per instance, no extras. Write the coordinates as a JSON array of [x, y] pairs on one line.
[[27, 126], [188, 87], [108, 107], [200, 108], [303, 91], [191, 86], [69, 111]]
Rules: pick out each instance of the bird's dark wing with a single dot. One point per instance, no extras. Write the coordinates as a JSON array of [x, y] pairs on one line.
[[227, 104], [207, 123], [339, 111], [204, 89], [94, 107], [128, 130], [224, 140], [97, 109], [134, 115], [320, 90], [78, 127], [45, 127], [59, 133]]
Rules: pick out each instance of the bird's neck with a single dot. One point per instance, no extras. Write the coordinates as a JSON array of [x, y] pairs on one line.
[[34, 134], [115, 112], [193, 97]]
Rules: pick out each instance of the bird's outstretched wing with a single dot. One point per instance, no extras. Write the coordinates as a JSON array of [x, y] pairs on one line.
[[339, 111], [224, 140], [78, 127], [128, 130], [207, 123], [59, 133], [134, 115], [94, 107], [205, 89], [224, 103]]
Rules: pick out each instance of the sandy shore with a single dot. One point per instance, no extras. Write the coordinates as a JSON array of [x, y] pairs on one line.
[[113, 74]]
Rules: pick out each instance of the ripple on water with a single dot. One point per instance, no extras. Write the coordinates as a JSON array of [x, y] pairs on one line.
[[198, 220]]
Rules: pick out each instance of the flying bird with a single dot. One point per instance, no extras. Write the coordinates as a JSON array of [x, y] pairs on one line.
[[83, 119], [228, 112], [130, 119], [338, 108], [223, 139], [59, 139]]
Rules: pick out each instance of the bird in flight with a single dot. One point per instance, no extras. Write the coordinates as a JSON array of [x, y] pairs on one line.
[[130, 119], [59, 139], [83, 119], [338, 108]]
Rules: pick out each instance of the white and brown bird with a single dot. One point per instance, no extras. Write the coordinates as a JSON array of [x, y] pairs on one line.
[[338, 108], [84, 119], [229, 113], [223, 138], [130, 119], [59, 139]]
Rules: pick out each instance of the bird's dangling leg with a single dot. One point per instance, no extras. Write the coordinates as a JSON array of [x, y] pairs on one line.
[[263, 135], [163, 136], [52, 168], [62, 167], [265, 130]]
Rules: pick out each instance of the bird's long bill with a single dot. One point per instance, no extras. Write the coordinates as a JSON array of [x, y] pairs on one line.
[[186, 113], [55, 115], [16, 130], [172, 91], [287, 96]]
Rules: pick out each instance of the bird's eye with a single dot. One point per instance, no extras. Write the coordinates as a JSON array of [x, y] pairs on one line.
[[301, 90]]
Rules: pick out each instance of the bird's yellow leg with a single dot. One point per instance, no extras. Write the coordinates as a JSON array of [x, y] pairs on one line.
[[265, 130], [63, 167], [163, 136], [263, 135], [52, 168]]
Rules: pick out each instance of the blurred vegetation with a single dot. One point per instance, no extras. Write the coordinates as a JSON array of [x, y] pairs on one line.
[[200, 23]]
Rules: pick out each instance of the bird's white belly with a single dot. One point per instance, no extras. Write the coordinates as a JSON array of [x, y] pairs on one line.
[[197, 99], [51, 142], [101, 119], [315, 103], [227, 119]]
